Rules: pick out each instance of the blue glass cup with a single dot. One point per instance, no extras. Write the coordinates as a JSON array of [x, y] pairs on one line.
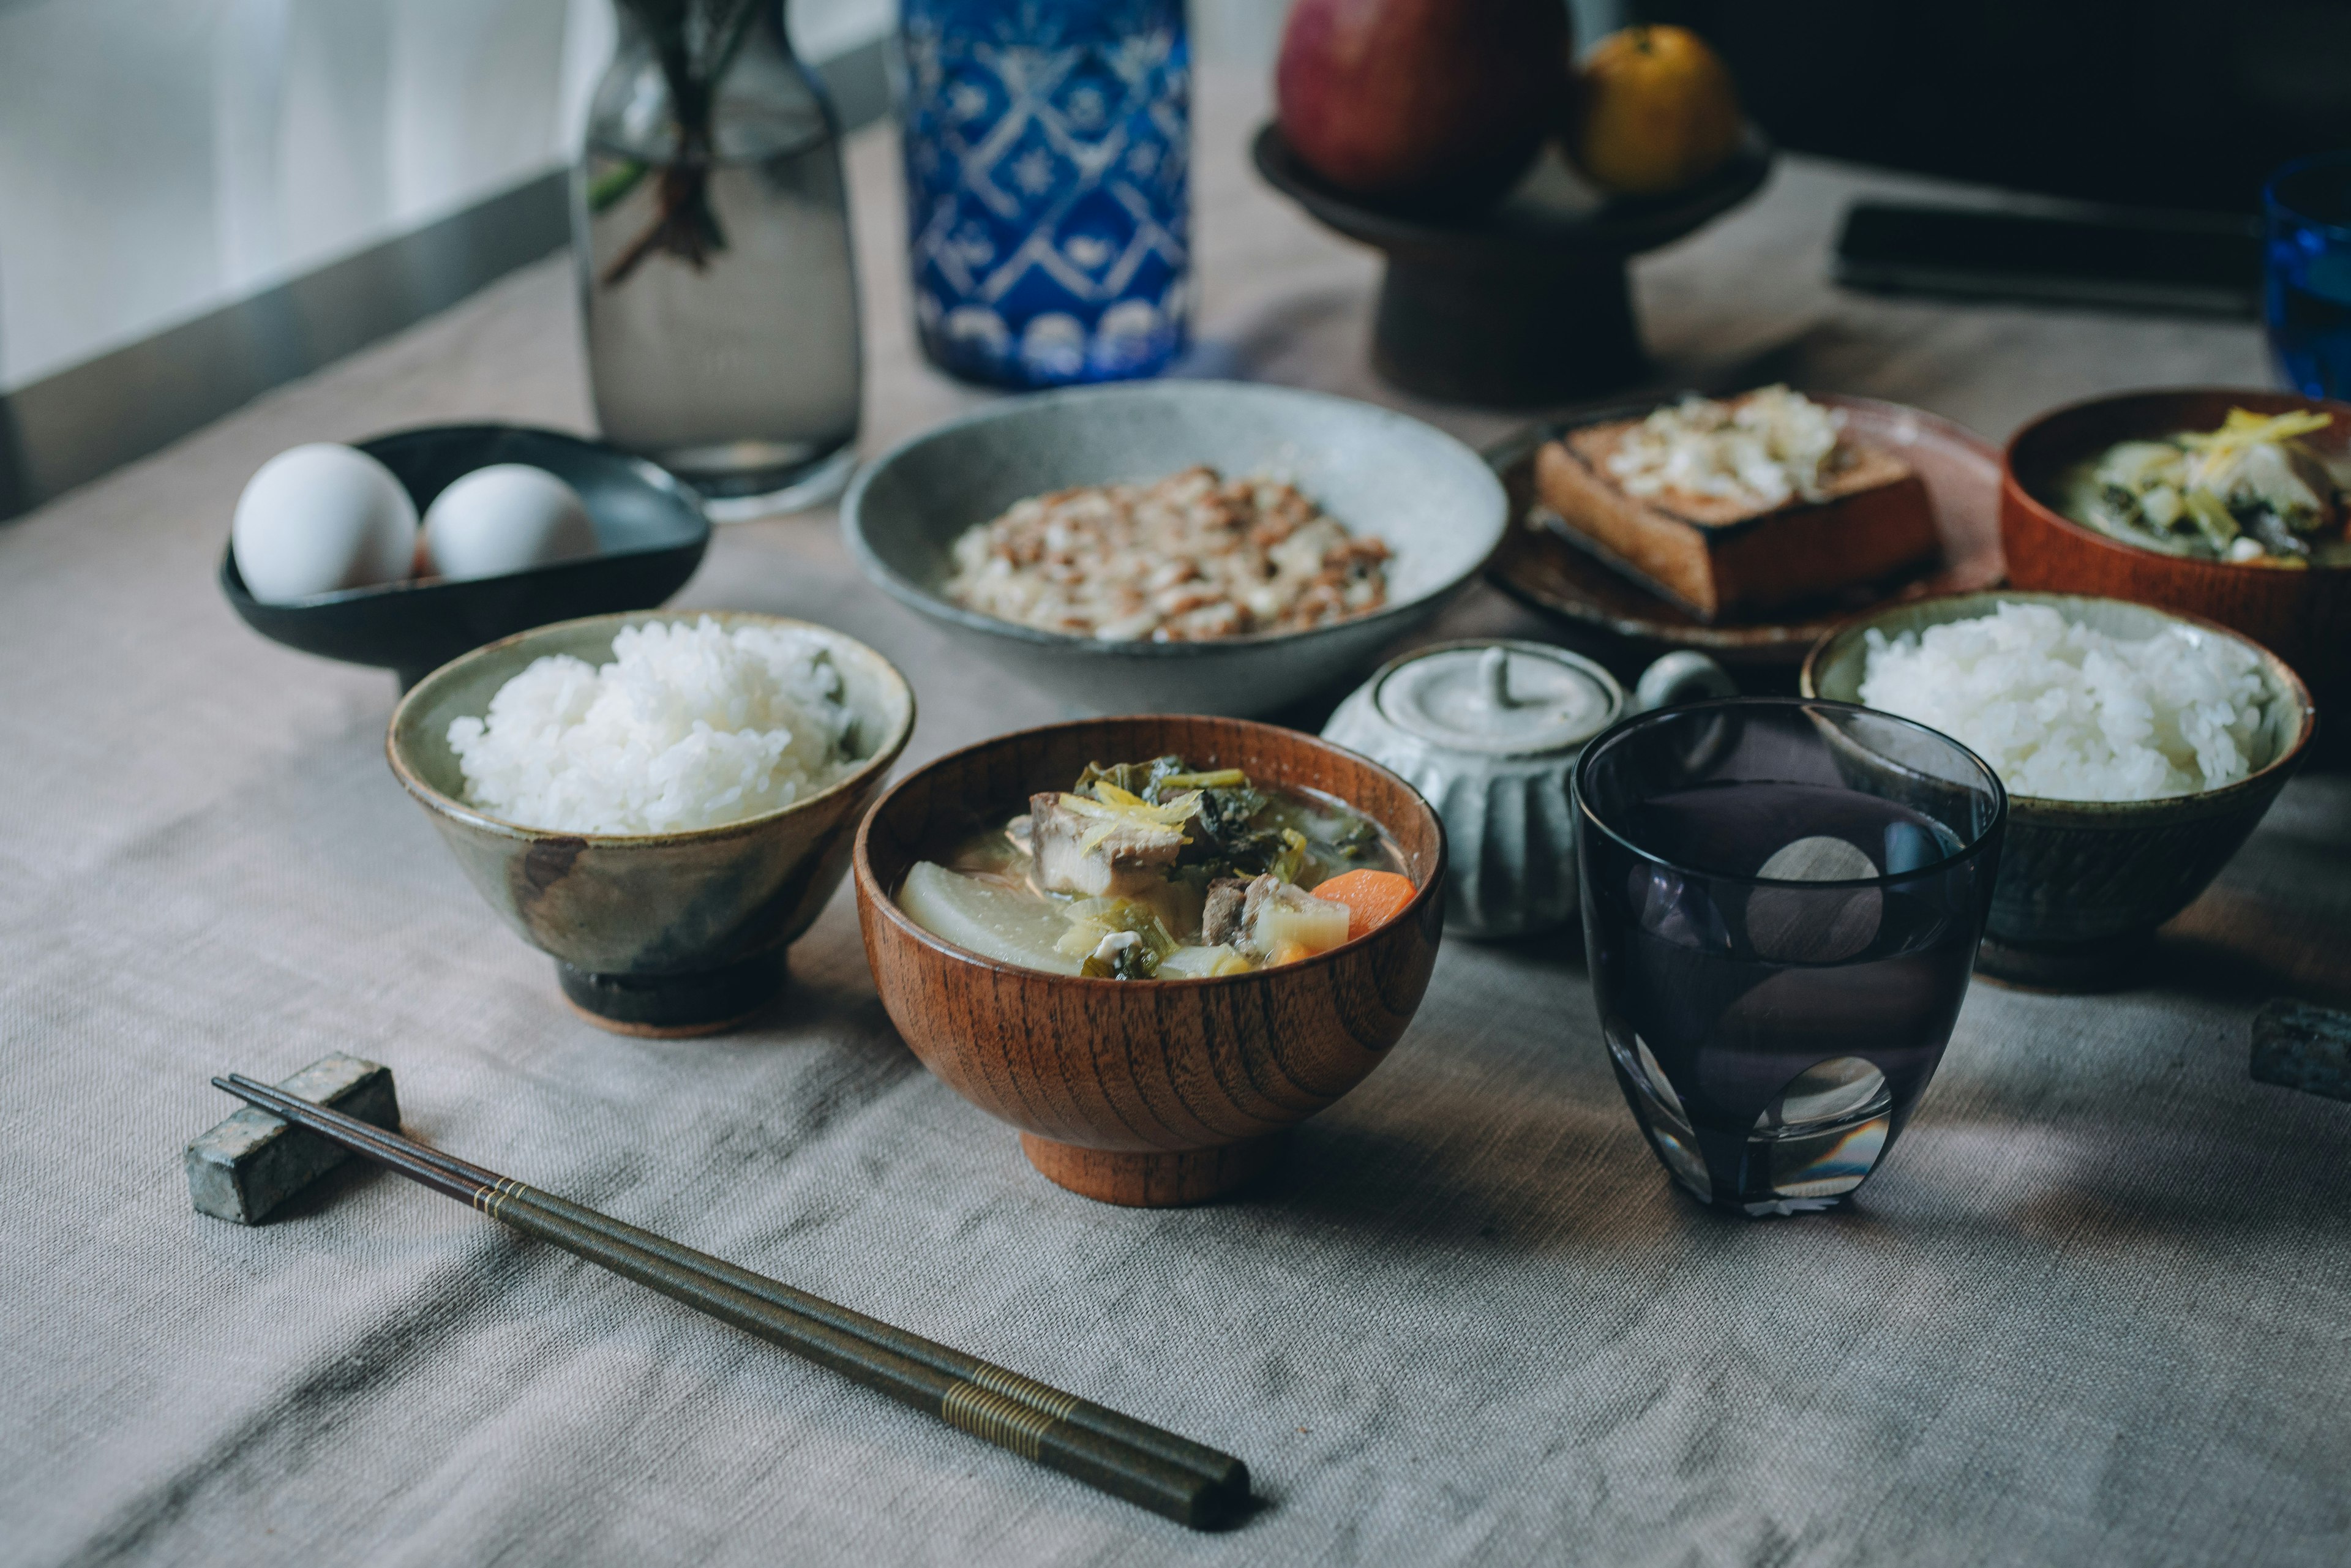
[[1781, 903], [2308, 283], [1048, 189]]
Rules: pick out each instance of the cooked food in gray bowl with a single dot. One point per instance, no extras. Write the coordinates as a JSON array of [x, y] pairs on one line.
[[716, 839], [2083, 883], [1157, 589]]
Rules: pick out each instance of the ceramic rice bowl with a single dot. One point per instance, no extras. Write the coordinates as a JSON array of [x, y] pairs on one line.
[[654, 934], [2084, 883]]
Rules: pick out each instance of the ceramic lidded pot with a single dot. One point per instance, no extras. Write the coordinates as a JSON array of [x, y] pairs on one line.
[[1489, 731]]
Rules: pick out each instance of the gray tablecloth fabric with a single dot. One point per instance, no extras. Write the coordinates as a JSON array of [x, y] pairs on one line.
[[2095, 1308]]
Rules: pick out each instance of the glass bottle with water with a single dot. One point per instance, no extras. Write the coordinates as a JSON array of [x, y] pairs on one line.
[[711, 229]]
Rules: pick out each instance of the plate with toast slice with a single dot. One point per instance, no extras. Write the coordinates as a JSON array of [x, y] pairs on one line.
[[1746, 527]]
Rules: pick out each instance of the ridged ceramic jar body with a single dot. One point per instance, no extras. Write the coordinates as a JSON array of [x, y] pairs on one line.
[[1507, 826]]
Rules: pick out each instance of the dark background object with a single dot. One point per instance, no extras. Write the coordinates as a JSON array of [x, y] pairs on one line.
[[2178, 108], [1525, 305], [2192, 263], [2173, 104], [651, 526]]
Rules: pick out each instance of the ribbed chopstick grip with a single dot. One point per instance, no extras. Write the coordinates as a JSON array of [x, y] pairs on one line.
[[1186, 1481], [1221, 1469], [1182, 1495]]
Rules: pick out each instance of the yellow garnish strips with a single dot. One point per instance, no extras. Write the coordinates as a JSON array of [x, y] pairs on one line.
[[2244, 428], [1109, 814]]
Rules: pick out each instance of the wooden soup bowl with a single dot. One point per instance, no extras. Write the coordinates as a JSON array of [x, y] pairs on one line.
[[1146, 1093], [2303, 615]]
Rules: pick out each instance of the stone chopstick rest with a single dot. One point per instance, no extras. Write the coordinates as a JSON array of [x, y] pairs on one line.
[[253, 1162], [2299, 1046]]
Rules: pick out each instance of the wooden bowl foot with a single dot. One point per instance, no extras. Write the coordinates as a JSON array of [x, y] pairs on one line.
[[1159, 1179]]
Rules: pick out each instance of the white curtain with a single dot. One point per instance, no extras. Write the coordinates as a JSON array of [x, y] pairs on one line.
[[162, 157]]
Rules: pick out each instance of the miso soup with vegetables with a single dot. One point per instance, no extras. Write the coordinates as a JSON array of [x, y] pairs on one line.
[[1152, 871], [2252, 493]]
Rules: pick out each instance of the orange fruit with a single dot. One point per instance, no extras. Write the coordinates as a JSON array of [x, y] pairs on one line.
[[1655, 110], [1372, 897]]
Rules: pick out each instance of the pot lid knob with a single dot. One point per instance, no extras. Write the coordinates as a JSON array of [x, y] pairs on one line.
[[1502, 698]]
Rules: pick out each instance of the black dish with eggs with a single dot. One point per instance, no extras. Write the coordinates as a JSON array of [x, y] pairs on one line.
[[650, 533]]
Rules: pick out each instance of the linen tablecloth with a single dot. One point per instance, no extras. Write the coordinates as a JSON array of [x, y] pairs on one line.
[[2097, 1307]]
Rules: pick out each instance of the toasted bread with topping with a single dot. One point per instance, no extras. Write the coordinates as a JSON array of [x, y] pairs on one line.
[[1868, 517]]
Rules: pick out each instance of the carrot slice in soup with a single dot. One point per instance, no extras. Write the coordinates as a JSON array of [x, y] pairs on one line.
[[1372, 897]]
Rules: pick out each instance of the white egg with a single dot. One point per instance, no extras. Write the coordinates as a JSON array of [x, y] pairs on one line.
[[504, 518], [321, 517]]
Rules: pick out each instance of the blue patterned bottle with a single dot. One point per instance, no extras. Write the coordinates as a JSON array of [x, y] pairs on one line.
[[1048, 207]]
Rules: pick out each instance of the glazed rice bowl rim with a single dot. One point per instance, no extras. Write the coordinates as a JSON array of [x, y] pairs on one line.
[[884, 755], [2294, 692], [907, 591]]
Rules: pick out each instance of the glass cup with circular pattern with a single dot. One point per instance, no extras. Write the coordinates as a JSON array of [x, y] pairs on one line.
[[1782, 902]]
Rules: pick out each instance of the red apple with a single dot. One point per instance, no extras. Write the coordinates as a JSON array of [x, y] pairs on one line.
[[1424, 101]]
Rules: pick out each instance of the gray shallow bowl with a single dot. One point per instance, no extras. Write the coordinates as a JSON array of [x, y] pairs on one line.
[[2084, 883], [1433, 499], [653, 934]]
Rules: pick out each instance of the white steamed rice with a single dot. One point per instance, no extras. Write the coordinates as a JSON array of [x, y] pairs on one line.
[[2066, 713], [689, 726]]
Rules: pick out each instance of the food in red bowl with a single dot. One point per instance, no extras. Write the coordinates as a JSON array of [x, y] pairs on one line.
[[2202, 500]]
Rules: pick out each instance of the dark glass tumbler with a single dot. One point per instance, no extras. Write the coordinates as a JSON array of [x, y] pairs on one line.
[[1781, 901]]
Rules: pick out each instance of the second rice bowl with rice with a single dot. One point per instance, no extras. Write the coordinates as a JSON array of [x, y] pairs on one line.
[[2169, 737]]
